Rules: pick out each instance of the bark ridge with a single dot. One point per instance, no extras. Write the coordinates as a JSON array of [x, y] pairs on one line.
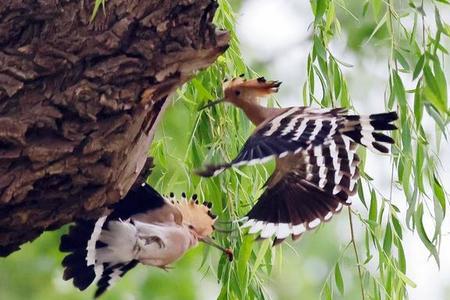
[[79, 101]]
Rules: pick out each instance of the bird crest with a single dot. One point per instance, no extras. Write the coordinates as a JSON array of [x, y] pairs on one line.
[[196, 215], [240, 88]]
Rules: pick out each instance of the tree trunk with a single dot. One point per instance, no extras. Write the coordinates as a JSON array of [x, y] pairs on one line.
[[79, 101]]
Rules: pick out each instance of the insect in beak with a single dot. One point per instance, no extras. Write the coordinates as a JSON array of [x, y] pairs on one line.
[[211, 242], [211, 103]]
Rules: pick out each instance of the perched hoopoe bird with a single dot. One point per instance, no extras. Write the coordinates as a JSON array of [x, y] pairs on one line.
[[144, 227], [316, 162]]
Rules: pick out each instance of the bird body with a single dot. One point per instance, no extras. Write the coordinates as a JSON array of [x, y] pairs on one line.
[[315, 151], [174, 241], [154, 244], [144, 227]]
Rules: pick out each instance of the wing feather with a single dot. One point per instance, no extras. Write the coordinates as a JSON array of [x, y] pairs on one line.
[[293, 130], [311, 193]]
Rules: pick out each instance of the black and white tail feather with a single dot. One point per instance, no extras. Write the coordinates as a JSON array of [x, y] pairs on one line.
[[325, 175], [101, 249], [365, 130]]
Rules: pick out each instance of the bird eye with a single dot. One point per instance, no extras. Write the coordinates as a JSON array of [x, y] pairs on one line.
[[191, 227], [237, 92]]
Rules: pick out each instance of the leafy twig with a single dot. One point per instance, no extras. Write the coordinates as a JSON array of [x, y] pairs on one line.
[[358, 264]]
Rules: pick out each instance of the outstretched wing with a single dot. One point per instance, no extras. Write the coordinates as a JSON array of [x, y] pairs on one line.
[[292, 131], [311, 193]]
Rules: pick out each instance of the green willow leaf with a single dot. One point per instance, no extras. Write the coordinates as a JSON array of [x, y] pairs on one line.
[[401, 256], [397, 227], [441, 82], [97, 5], [423, 235], [402, 60], [418, 103], [373, 207], [399, 91], [433, 92], [431, 110], [420, 159], [406, 279], [380, 24], [387, 242], [319, 48], [321, 6], [419, 66], [328, 293], [439, 193], [338, 279]]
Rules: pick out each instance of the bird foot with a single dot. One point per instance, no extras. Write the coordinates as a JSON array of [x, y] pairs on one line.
[[154, 239], [166, 268]]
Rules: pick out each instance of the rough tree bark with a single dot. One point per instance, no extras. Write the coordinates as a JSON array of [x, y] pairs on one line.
[[79, 101]]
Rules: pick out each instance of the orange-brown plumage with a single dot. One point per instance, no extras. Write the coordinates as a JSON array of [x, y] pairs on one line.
[[197, 217], [246, 94]]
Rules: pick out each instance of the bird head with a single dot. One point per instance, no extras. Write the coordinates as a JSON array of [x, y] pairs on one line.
[[197, 216], [199, 219], [240, 91]]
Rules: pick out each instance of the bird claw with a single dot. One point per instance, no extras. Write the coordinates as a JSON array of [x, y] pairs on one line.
[[166, 268], [155, 239]]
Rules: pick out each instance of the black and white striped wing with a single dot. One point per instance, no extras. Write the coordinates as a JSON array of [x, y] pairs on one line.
[[111, 273], [293, 130], [309, 194]]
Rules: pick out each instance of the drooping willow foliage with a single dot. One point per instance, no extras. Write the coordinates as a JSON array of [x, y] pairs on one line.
[[413, 33]]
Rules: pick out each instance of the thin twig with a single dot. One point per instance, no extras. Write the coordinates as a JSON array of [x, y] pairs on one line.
[[391, 189], [391, 26], [423, 27], [356, 253]]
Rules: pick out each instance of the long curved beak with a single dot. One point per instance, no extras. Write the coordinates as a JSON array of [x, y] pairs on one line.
[[208, 240], [211, 103]]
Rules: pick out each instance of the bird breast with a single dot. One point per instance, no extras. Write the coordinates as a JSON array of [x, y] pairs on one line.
[[163, 244]]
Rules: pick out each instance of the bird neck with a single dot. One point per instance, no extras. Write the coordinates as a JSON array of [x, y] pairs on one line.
[[255, 112]]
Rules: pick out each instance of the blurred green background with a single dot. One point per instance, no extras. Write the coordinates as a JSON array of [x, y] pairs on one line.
[[278, 50], [35, 271]]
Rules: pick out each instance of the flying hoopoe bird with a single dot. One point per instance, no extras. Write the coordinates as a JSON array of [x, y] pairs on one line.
[[144, 227], [315, 151]]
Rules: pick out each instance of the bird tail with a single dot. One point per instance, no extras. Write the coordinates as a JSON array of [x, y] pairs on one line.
[[78, 243], [104, 249], [97, 250], [366, 130]]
